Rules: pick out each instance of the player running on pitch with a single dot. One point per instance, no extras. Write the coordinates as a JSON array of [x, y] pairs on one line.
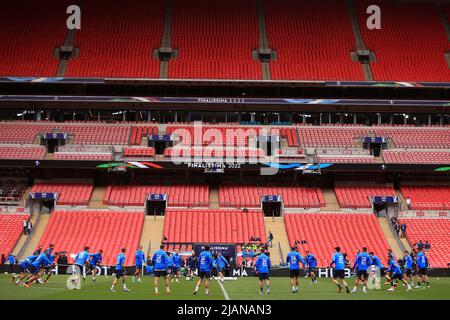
[[140, 262], [205, 263], [221, 264], [362, 263], [338, 261], [24, 265], [81, 260], [37, 268], [311, 264], [294, 259], [120, 272], [396, 273], [160, 262], [95, 260], [408, 263], [262, 267]]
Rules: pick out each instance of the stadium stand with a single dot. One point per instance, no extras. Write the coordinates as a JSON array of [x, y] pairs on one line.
[[28, 42], [210, 135], [75, 156], [214, 40], [323, 232], [416, 157], [11, 132], [250, 196], [22, 152], [72, 230], [358, 196], [427, 197], [435, 231], [98, 134], [403, 46], [138, 132], [10, 231], [346, 159], [138, 152], [69, 193], [178, 195], [214, 152], [290, 134], [313, 40], [117, 41], [213, 226]]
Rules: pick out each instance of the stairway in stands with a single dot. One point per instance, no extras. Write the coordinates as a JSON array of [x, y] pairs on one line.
[[214, 198], [276, 225], [38, 230], [97, 197], [152, 232], [331, 203], [390, 237]]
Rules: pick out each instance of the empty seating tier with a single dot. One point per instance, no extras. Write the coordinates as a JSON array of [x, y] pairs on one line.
[[358, 196], [10, 231], [324, 232], [138, 132], [345, 159], [30, 34], [178, 195], [250, 196], [213, 226], [428, 197], [68, 194], [214, 39], [139, 152], [416, 157], [22, 152], [71, 231], [404, 49], [436, 232], [207, 135], [214, 152], [117, 40], [313, 40], [76, 156]]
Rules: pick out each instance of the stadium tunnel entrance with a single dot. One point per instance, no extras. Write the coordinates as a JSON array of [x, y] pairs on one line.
[[272, 206], [156, 204], [41, 202], [53, 140]]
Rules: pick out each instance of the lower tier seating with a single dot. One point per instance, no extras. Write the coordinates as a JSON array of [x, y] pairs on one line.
[[250, 196], [428, 197], [78, 156], [71, 231], [138, 152], [213, 226], [436, 232], [346, 159], [358, 196], [178, 195], [69, 194], [324, 232], [22, 153], [10, 231], [416, 157]]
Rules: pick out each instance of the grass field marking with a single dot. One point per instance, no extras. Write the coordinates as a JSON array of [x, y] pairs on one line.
[[224, 291]]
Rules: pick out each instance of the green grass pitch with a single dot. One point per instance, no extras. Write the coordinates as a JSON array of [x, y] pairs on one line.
[[240, 289]]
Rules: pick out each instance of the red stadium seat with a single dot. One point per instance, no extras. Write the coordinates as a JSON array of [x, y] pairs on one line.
[[324, 232], [71, 231], [10, 231]]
